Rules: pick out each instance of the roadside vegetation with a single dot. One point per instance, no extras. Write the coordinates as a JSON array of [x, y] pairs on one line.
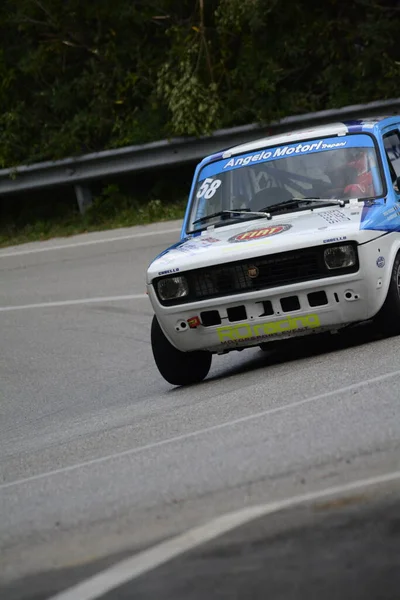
[[78, 77], [125, 213], [56, 214]]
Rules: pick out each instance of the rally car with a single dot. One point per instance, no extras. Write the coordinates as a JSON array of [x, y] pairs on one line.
[[290, 235]]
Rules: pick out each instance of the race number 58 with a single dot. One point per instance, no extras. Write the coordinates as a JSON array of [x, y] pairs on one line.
[[208, 188]]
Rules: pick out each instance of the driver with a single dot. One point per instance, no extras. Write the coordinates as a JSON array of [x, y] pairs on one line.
[[353, 179], [363, 184]]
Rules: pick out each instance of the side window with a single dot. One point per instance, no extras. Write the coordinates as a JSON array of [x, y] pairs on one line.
[[392, 146]]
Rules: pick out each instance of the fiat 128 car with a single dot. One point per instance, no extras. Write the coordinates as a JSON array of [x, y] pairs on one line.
[[286, 236]]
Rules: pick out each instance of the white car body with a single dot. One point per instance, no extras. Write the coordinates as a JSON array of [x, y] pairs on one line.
[[262, 313]]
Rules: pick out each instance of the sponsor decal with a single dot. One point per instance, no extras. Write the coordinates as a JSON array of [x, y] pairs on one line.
[[337, 239], [208, 188], [388, 212], [253, 272], [257, 157], [333, 216], [392, 213], [197, 245], [194, 322], [376, 219], [168, 271], [380, 262], [164, 256], [283, 151], [256, 234], [246, 331]]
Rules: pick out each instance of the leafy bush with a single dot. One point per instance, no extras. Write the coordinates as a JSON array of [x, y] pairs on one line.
[[81, 76]]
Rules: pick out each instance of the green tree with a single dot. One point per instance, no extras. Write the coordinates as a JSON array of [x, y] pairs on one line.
[[77, 77]]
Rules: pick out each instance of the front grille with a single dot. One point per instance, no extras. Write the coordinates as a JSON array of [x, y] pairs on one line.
[[279, 269], [260, 273]]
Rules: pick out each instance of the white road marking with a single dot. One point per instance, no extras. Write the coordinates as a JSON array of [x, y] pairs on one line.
[[133, 567], [72, 302], [199, 432], [89, 243]]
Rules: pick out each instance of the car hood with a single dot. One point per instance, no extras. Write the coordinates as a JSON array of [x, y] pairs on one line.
[[260, 237]]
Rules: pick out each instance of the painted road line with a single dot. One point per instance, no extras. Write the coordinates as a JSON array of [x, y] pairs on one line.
[[73, 302], [89, 243], [199, 432], [133, 567]]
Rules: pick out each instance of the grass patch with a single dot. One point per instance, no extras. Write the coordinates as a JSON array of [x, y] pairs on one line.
[[110, 210]]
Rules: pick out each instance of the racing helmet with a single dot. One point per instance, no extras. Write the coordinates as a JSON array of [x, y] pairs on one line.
[[358, 159]]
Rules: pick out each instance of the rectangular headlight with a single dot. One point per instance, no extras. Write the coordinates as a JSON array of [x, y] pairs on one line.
[[171, 288], [340, 257]]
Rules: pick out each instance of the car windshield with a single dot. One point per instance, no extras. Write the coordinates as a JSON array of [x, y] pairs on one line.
[[327, 168]]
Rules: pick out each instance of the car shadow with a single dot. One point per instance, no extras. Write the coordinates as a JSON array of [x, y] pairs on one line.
[[295, 349]]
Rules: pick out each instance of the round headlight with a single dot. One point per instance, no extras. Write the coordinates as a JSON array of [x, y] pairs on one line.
[[340, 257], [171, 288]]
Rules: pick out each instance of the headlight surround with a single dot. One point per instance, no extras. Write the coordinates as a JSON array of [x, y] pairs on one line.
[[172, 288], [340, 257]]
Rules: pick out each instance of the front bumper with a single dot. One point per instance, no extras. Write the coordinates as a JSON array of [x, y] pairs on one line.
[[251, 319]]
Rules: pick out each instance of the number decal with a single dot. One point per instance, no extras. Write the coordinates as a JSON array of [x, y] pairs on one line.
[[208, 188]]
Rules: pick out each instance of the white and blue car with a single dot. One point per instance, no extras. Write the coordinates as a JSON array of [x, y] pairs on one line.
[[286, 236]]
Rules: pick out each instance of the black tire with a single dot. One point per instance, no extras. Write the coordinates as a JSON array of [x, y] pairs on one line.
[[387, 321], [178, 368]]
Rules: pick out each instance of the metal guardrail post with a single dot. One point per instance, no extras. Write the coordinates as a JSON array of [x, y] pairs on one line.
[[83, 197]]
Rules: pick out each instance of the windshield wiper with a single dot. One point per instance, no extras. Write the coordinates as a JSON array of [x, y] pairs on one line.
[[240, 211], [324, 200], [265, 212], [297, 201]]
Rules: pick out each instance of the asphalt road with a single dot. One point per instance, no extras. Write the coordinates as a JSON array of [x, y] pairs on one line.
[[100, 458]]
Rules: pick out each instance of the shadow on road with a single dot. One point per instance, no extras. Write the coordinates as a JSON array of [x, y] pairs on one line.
[[303, 347], [343, 548]]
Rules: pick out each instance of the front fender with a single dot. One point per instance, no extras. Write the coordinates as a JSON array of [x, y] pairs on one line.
[[377, 259]]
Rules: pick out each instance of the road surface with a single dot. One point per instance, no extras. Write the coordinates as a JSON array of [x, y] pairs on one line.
[[101, 460]]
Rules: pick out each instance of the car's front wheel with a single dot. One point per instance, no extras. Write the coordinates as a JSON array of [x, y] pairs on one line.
[[178, 368], [388, 318]]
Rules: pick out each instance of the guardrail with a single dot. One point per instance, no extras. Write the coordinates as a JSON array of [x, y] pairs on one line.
[[80, 171]]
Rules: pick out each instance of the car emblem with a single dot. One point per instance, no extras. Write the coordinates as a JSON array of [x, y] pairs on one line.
[[258, 234], [253, 272]]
